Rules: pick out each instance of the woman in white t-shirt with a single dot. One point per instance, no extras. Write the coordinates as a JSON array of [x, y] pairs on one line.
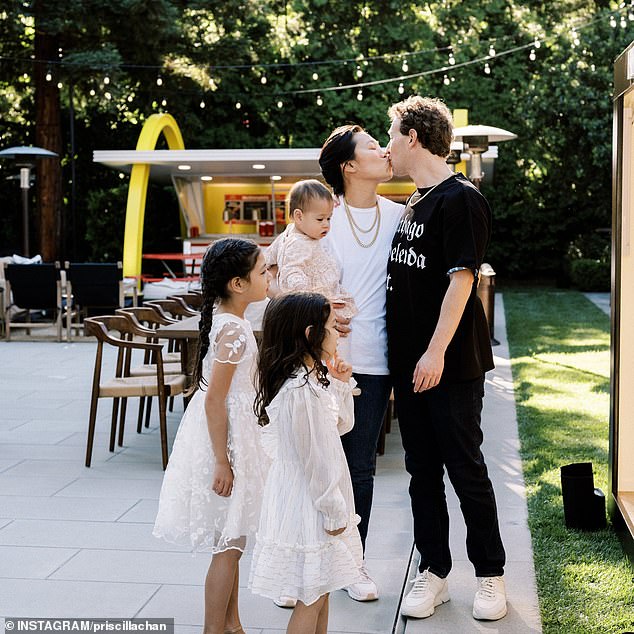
[[353, 163]]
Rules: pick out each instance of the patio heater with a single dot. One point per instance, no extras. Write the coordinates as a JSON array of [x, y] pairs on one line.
[[476, 140], [621, 464], [24, 157]]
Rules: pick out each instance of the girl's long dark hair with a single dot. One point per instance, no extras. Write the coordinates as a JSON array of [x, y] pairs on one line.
[[285, 348], [224, 260]]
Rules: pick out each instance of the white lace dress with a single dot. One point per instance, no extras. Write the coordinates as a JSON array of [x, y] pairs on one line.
[[304, 264], [308, 490], [190, 513]]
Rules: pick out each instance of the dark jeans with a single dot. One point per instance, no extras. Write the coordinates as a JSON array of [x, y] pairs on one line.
[[441, 428], [360, 443]]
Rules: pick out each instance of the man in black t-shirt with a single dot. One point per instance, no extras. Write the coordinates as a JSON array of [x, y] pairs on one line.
[[438, 353]]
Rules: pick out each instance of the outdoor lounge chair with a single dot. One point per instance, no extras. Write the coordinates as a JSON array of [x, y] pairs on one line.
[[36, 289], [123, 385]]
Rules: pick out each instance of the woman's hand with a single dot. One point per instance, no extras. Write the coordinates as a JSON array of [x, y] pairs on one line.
[[339, 369], [336, 531], [222, 482]]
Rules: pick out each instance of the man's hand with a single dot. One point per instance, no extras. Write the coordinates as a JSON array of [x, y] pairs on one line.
[[222, 482], [428, 370]]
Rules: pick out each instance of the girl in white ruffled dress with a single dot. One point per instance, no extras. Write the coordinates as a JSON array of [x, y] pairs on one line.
[[212, 489], [307, 544]]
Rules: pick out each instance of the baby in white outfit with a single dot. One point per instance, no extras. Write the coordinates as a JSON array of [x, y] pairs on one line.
[[298, 258]]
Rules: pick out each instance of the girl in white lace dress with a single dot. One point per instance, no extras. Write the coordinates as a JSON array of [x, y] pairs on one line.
[[212, 489], [307, 543], [298, 258]]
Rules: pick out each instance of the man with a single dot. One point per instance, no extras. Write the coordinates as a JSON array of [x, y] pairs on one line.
[[439, 351]]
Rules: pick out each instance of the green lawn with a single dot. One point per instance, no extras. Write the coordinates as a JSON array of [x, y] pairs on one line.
[[560, 351]]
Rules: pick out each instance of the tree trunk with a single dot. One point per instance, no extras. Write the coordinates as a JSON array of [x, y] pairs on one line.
[[48, 135]]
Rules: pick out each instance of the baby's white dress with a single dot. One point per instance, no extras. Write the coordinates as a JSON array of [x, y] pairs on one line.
[[305, 265], [307, 491], [190, 513]]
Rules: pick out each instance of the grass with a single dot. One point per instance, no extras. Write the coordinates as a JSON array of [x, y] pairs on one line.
[[560, 350]]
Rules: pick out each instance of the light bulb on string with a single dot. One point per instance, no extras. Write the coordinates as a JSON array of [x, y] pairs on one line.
[[164, 102], [405, 66], [487, 69], [315, 76], [446, 80], [532, 55], [60, 85], [92, 92], [106, 80], [359, 72], [320, 101], [360, 95], [401, 88], [49, 76], [575, 38], [491, 51], [612, 22], [263, 79], [630, 17], [280, 104], [452, 59], [202, 103], [130, 98], [108, 96], [238, 105], [623, 22], [159, 81], [537, 43]]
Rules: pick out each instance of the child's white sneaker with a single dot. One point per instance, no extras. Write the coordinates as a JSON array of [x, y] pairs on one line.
[[285, 602], [364, 590], [429, 591], [489, 603]]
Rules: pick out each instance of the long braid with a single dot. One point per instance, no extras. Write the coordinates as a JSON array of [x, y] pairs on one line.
[[224, 260]]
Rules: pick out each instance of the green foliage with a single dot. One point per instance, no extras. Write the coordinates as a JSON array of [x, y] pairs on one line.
[[560, 351], [590, 275], [551, 184]]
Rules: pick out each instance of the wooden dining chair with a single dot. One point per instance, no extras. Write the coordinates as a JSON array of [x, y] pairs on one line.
[[123, 385], [176, 308], [193, 300]]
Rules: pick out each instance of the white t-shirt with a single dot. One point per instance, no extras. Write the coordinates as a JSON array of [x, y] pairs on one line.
[[363, 275]]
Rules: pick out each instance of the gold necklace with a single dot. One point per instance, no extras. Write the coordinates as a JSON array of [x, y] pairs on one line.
[[409, 205], [354, 227]]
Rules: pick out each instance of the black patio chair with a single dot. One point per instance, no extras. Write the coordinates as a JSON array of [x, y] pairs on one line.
[[36, 290]]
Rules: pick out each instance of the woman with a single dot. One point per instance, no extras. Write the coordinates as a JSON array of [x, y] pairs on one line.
[[353, 163]]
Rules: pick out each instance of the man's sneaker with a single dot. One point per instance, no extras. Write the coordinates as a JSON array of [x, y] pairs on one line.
[[364, 590], [285, 602], [429, 591], [489, 603]]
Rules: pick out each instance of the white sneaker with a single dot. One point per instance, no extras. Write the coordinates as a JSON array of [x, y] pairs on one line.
[[489, 603], [364, 590], [429, 591], [285, 602]]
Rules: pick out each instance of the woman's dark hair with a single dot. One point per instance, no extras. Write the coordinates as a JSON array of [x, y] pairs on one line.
[[338, 148], [285, 348], [224, 260]]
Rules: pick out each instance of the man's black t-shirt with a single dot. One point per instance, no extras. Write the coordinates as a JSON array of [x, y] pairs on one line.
[[449, 228]]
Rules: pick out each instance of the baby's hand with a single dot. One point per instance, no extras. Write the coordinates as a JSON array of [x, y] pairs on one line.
[[336, 531], [339, 369], [222, 481]]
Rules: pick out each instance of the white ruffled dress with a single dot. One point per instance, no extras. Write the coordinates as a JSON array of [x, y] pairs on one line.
[[190, 513], [307, 491]]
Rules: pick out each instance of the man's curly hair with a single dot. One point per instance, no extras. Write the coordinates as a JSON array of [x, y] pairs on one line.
[[430, 118]]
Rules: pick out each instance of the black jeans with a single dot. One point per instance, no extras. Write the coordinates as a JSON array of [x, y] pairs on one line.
[[360, 443], [441, 428]]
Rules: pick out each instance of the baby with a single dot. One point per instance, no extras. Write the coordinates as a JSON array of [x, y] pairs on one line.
[[297, 257]]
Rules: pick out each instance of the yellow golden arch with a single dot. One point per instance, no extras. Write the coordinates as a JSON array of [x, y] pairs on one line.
[[137, 192]]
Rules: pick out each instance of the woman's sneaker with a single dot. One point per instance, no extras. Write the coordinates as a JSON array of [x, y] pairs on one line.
[[489, 603], [285, 602], [429, 591], [364, 590]]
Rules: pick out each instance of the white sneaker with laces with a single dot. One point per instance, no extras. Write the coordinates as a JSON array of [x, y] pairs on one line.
[[429, 591], [489, 603], [285, 602], [364, 590]]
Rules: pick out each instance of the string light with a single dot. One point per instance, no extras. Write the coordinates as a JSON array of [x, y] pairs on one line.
[[532, 55], [405, 66], [452, 59], [108, 96], [575, 38], [320, 101], [537, 43], [401, 88], [280, 104], [263, 80], [446, 80], [623, 22], [359, 72], [59, 84], [164, 102], [202, 104], [49, 76], [360, 95], [92, 92], [487, 69], [612, 22], [106, 80], [315, 76], [159, 81], [238, 105], [491, 51]]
